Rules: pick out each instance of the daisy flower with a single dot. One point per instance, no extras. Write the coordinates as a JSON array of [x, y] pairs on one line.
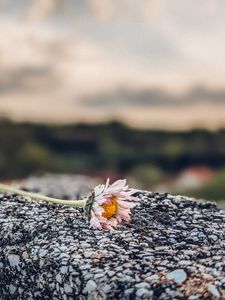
[[106, 207], [109, 205]]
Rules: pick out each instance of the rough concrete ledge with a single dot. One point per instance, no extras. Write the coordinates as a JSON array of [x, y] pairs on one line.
[[174, 248]]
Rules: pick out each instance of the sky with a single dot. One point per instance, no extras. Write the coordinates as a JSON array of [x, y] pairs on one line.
[[139, 61]]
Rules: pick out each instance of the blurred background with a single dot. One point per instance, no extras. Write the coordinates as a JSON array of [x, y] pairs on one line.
[[115, 88]]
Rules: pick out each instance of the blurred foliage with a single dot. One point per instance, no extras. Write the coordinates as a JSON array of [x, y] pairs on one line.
[[147, 175], [145, 155], [33, 156]]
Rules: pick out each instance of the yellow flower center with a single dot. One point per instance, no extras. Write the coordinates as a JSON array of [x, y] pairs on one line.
[[109, 208]]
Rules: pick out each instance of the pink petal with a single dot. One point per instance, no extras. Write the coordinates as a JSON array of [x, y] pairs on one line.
[[98, 190], [107, 184], [95, 223], [126, 204], [119, 183], [117, 186]]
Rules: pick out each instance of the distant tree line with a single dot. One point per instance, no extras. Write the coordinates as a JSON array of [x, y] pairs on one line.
[[31, 148]]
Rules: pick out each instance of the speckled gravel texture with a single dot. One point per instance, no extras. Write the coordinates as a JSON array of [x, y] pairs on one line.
[[174, 248]]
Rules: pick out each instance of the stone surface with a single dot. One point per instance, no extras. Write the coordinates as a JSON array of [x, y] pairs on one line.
[[173, 248]]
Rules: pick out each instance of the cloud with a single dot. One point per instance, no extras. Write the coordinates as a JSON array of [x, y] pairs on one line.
[[156, 10], [43, 9], [102, 10], [28, 80], [127, 10], [3, 2], [154, 97]]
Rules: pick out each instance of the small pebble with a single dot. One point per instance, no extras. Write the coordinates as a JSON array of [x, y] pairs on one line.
[[179, 276]]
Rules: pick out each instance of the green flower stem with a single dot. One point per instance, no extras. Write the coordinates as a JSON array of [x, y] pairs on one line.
[[37, 197]]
